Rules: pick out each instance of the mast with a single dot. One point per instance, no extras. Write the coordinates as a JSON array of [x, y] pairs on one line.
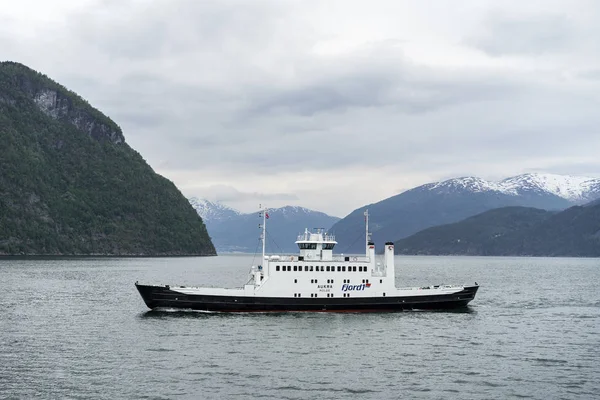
[[264, 233], [263, 236], [367, 232]]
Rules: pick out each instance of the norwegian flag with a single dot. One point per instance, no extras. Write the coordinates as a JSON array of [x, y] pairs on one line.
[[266, 215], [367, 284]]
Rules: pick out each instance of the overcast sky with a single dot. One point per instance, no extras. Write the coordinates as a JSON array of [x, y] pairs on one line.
[[329, 105]]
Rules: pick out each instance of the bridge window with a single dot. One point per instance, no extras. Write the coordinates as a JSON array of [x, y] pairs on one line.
[[344, 268], [311, 268], [306, 268], [307, 246], [339, 268], [327, 268], [381, 281], [277, 268], [328, 246], [295, 280], [295, 268], [383, 294], [322, 268]]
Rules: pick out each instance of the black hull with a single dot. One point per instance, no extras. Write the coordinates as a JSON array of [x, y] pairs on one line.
[[163, 297]]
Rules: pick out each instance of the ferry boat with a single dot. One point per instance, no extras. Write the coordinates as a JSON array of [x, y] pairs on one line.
[[314, 280]]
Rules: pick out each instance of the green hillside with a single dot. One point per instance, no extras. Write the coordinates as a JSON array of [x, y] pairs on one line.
[[69, 184], [513, 231]]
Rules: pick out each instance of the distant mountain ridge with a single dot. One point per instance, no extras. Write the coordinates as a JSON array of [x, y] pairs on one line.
[[513, 231], [233, 231], [454, 199], [211, 211]]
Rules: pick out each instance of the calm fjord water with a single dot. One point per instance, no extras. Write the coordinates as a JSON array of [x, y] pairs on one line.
[[78, 329]]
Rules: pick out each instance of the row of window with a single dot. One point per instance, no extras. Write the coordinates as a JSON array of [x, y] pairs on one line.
[[313, 246], [328, 295], [322, 268], [317, 281], [331, 281]]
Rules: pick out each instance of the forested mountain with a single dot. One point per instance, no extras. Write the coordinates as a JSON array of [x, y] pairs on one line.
[[69, 184], [513, 231]]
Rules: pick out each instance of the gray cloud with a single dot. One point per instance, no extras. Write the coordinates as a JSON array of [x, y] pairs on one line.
[[518, 34], [591, 74], [302, 102], [229, 194]]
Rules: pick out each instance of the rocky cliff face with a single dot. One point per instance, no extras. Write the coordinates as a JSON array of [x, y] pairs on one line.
[[57, 106], [61, 104]]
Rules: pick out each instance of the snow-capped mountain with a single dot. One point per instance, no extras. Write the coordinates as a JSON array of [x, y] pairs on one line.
[[455, 199], [232, 231], [576, 189], [211, 212]]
